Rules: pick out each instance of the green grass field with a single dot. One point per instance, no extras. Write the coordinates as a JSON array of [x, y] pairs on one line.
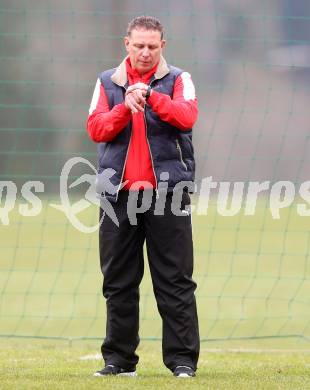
[[253, 278], [60, 367]]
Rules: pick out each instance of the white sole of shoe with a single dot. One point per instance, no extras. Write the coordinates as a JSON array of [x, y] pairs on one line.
[[132, 374], [184, 376]]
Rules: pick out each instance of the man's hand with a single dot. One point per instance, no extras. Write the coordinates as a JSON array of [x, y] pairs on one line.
[[138, 86], [135, 101], [135, 97]]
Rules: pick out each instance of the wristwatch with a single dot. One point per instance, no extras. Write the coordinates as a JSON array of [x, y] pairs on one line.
[[148, 92]]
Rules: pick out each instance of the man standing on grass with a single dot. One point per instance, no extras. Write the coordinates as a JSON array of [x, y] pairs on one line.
[[142, 114]]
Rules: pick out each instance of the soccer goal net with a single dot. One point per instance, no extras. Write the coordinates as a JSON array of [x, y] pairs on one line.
[[250, 62]]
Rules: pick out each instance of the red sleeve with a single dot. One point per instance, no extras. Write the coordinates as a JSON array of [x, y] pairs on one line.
[[104, 124], [180, 111]]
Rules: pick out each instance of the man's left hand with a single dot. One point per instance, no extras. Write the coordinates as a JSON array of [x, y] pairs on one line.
[[140, 86]]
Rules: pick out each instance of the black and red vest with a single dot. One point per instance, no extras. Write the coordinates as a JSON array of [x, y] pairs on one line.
[[171, 148]]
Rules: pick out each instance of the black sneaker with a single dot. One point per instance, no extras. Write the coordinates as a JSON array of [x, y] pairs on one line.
[[110, 369], [184, 372]]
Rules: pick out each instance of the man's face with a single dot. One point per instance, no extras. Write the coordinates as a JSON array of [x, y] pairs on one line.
[[144, 48]]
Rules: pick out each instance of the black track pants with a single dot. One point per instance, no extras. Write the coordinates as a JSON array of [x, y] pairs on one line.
[[170, 253]]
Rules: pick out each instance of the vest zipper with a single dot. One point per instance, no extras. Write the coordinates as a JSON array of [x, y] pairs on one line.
[[180, 153], [120, 183], [147, 139]]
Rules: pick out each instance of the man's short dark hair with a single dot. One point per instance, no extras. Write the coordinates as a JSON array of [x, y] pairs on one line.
[[146, 23]]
